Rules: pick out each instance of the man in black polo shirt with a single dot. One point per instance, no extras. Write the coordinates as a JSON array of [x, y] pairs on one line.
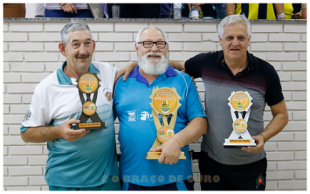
[[223, 72]]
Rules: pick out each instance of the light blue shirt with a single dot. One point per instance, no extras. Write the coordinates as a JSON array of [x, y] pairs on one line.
[[137, 129]]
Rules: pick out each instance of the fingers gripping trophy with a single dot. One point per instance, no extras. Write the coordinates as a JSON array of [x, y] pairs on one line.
[[165, 101], [240, 104], [88, 83]]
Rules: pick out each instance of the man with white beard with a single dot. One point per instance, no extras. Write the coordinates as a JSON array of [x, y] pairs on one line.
[[137, 133]]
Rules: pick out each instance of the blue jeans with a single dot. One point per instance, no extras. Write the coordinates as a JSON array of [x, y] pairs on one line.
[[82, 13], [220, 9]]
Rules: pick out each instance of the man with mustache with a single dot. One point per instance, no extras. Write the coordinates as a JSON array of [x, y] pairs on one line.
[[137, 133], [78, 159]]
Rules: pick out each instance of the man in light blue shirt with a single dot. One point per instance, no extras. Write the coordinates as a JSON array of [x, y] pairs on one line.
[[137, 129]]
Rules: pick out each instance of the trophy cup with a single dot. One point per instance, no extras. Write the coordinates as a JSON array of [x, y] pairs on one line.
[[240, 103], [89, 83], [165, 101]]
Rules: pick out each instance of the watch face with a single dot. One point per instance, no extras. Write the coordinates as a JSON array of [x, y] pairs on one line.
[[88, 83]]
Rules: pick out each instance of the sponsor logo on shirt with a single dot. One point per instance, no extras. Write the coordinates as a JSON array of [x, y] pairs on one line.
[[28, 115], [132, 116], [144, 116]]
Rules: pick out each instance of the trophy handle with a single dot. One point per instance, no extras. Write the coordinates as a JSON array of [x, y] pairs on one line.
[[156, 120]]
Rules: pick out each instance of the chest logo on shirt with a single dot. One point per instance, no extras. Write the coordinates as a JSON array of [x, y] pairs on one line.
[[108, 93], [131, 116]]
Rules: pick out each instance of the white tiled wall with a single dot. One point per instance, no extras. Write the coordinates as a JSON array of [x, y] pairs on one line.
[[31, 53]]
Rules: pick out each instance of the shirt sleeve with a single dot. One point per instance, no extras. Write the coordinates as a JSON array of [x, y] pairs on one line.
[[193, 66], [274, 93], [193, 102], [37, 114]]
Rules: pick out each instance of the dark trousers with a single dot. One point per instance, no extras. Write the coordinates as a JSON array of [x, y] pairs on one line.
[[217, 176], [135, 10], [81, 13], [187, 184]]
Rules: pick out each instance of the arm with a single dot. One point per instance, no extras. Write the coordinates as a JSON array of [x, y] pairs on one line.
[[48, 133], [126, 70], [280, 10], [280, 119], [68, 7], [230, 8], [171, 149], [303, 11], [179, 65]]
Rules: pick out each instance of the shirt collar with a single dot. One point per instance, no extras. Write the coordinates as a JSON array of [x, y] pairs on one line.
[[135, 74], [169, 72], [63, 79], [253, 64]]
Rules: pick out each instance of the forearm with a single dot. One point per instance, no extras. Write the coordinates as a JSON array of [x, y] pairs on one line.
[[275, 126], [133, 64], [41, 134], [193, 131], [179, 65], [279, 8], [304, 13], [230, 8]]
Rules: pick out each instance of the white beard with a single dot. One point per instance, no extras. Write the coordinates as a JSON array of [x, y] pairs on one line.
[[153, 67]]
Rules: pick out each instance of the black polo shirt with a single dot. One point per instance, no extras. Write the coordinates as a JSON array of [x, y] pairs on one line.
[[259, 79]]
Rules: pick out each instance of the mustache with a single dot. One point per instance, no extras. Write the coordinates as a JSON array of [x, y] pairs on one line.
[[82, 56], [153, 53]]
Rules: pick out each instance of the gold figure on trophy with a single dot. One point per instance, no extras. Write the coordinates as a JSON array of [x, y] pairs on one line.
[[165, 101]]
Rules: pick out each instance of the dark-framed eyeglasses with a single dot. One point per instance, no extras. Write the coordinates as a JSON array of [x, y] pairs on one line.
[[149, 44]]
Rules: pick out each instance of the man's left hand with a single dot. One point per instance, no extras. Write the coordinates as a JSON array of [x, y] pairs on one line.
[[259, 140], [171, 151], [125, 71]]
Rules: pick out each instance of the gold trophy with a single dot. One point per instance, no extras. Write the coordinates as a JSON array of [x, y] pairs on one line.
[[89, 83], [165, 101], [240, 103]]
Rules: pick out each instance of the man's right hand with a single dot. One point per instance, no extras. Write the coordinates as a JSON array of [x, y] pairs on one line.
[[68, 7], [69, 134]]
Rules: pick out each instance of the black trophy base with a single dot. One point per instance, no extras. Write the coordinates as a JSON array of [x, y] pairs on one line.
[[91, 126]]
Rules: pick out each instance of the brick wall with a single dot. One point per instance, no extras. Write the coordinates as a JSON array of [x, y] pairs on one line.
[[31, 53]]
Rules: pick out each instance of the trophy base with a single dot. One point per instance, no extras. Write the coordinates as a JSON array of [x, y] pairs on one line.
[[155, 156], [91, 126], [233, 143]]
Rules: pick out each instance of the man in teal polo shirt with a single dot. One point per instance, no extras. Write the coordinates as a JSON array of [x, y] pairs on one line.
[[78, 159], [137, 129]]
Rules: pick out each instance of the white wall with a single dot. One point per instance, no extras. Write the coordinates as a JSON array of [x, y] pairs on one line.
[[31, 53]]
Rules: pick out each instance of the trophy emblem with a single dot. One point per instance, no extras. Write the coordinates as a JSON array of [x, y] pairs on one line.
[[89, 83], [240, 103], [164, 101]]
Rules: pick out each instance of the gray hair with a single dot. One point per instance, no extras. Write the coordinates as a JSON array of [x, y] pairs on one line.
[[150, 27], [232, 19], [73, 26]]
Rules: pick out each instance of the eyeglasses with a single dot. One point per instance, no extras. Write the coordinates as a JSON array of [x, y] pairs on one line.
[[149, 44]]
